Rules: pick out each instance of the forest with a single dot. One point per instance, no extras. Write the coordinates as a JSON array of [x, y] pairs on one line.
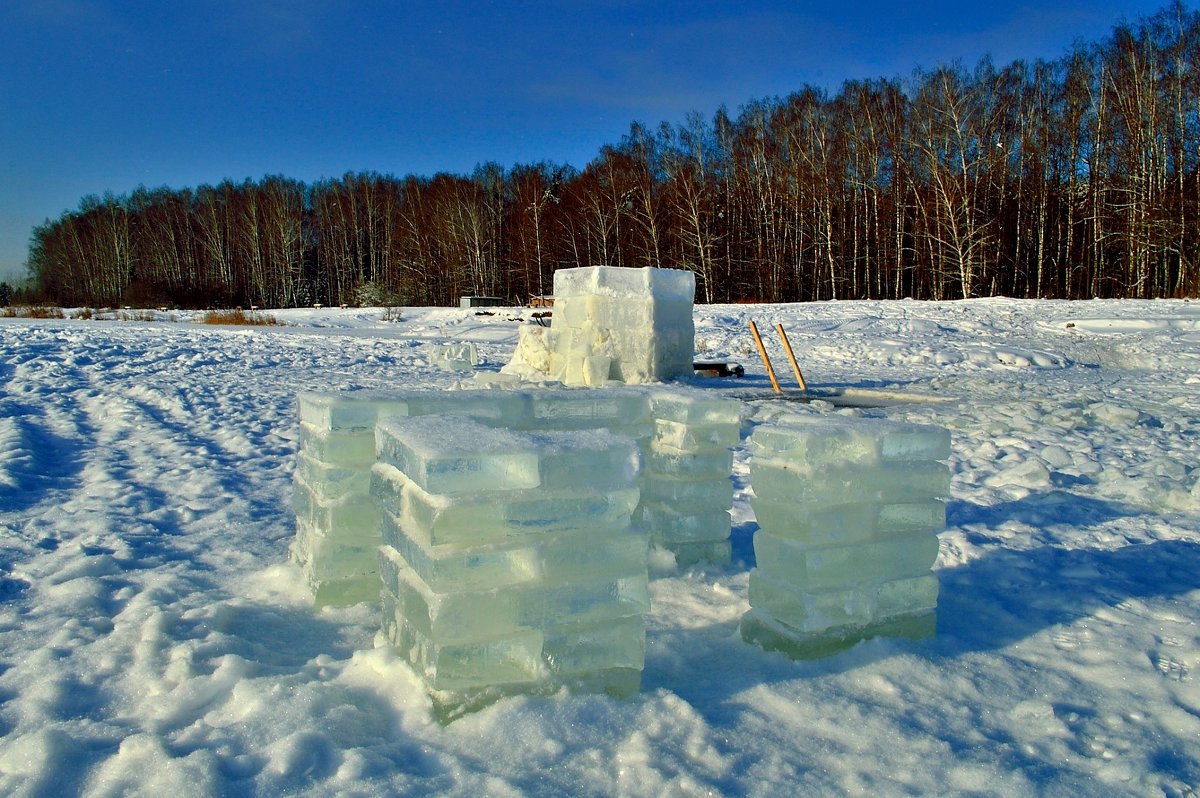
[[1072, 178]]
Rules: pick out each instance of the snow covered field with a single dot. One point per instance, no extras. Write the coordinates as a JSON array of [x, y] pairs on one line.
[[154, 640]]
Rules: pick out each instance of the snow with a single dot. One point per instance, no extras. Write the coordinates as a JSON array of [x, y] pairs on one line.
[[154, 640]]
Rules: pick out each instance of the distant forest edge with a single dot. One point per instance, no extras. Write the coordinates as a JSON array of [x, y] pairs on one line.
[[1073, 178]]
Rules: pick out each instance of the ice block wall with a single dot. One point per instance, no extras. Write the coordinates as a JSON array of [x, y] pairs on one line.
[[509, 561], [628, 325], [337, 523], [686, 473], [686, 490], [848, 512]]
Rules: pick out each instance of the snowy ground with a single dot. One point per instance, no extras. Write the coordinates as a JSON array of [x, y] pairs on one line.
[[153, 639]]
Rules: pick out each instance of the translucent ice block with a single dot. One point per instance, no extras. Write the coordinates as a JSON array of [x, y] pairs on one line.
[[568, 409], [350, 517], [546, 560], [665, 524], [332, 481], [766, 632], [688, 495], [485, 614], [810, 612], [717, 552], [689, 408], [661, 284], [359, 410], [670, 461], [783, 480], [455, 454], [829, 440], [496, 516], [812, 568], [337, 448], [847, 523], [695, 437], [324, 557], [906, 596]]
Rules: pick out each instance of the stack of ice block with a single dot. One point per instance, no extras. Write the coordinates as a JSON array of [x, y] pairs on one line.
[[509, 561], [337, 523], [629, 325], [848, 510], [686, 490]]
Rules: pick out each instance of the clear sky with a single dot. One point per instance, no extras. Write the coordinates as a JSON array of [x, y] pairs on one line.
[[106, 95]]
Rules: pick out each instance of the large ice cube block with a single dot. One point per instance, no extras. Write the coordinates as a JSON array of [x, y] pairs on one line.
[[455, 454], [810, 612], [820, 525], [890, 483]]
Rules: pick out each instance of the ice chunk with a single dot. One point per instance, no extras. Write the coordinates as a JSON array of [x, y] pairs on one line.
[[666, 524], [905, 596], [473, 615], [455, 454], [455, 356], [810, 612], [829, 440], [590, 554], [359, 410], [695, 408], [337, 448], [325, 557], [695, 437], [762, 630], [844, 484], [332, 481], [570, 409], [494, 517], [825, 567], [352, 517], [688, 495], [667, 460], [847, 523], [718, 552]]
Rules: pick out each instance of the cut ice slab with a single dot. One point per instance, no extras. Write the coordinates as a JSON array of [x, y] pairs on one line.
[[546, 560], [695, 437], [847, 523], [475, 615], [337, 448], [350, 517], [666, 524], [785, 481], [762, 630], [831, 440], [454, 455], [358, 411], [493, 517], [571, 655], [827, 567], [689, 408], [855, 606]]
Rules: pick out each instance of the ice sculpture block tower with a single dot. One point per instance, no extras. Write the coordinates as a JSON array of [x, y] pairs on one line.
[[848, 511], [628, 325], [509, 561], [686, 490]]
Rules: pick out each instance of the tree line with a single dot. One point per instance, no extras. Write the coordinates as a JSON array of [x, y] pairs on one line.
[[1072, 178]]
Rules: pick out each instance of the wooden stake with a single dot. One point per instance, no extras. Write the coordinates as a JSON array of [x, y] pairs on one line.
[[788, 347], [762, 351]]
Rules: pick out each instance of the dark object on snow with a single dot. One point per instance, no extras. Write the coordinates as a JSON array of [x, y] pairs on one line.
[[718, 369], [480, 302]]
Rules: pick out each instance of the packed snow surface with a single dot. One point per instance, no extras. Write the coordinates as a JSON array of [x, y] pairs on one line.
[[154, 640]]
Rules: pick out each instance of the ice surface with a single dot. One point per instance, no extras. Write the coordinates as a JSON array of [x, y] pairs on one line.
[[352, 517], [689, 495], [337, 448], [665, 524], [694, 408], [695, 437]]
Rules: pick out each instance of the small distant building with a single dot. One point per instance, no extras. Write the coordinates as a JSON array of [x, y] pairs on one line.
[[481, 302]]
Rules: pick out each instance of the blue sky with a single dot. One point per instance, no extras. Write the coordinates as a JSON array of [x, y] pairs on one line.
[[102, 95]]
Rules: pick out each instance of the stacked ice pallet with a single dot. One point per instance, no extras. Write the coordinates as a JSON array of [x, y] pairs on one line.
[[628, 325], [337, 522], [849, 510], [686, 490], [509, 560]]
